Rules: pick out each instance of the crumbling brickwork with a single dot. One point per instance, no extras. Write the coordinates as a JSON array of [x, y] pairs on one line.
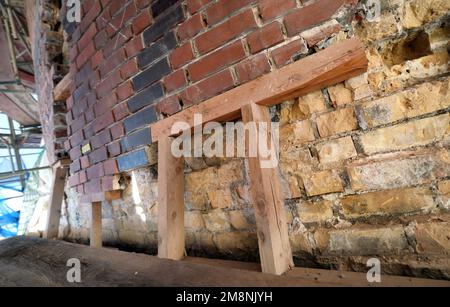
[[47, 45], [365, 163]]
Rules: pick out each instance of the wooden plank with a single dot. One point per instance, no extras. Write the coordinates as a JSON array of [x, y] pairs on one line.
[[171, 236], [61, 91], [274, 247], [56, 198], [328, 67], [96, 225]]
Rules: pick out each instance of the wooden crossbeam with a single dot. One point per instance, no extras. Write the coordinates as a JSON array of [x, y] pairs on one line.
[[325, 68], [61, 91], [56, 198], [274, 247], [171, 236], [96, 225]]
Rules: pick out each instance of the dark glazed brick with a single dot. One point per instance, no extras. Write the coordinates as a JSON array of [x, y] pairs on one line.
[[145, 98], [157, 50], [171, 17], [132, 160], [140, 119], [136, 139], [159, 6], [151, 74]]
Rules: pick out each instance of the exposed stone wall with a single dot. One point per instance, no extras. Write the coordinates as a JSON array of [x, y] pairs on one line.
[[365, 163]]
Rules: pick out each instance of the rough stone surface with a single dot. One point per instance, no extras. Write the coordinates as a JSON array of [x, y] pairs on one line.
[[322, 183], [398, 201], [416, 133], [336, 150], [336, 122]]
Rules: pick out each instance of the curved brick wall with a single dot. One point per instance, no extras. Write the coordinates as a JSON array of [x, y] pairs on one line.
[[365, 163]]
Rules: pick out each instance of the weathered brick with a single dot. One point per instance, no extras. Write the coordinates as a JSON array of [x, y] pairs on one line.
[[265, 37], [117, 131], [160, 6], [152, 74], [112, 62], [85, 54], [323, 182], [145, 98], [252, 68], [396, 171], [134, 46], [320, 33], [397, 201], [287, 53], [207, 88], [169, 105], [172, 17], [194, 6], [87, 36], [133, 160], [336, 122], [216, 61], [76, 138], [223, 8], [416, 133], [83, 177], [142, 21], [157, 50], [121, 111], [95, 171], [125, 90], [74, 180], [310, 15], [103, 121], [271, 9], [136, 139], [110, 167], [100, 139], [226, 31], [128, 69], [114, 149], [175, 80], [85, 162], [98, 155], [93, 186], [181, 55], [191, 27], [75, 166], [336, 150], [140, 119]]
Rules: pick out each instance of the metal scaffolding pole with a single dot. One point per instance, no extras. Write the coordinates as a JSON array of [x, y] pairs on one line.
[[15, 146]]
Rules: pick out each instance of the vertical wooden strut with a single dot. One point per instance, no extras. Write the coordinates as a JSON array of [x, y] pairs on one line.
[[274, 247], [171, 236], [96, 225], [56, 198]]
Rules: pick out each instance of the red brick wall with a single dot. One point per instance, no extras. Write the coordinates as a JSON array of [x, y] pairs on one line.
[[136, 61], [47, 42]]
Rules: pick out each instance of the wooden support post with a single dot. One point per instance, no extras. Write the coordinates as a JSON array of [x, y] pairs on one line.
[[96, 225], [274, 247], [56, 198], [171, 234]]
